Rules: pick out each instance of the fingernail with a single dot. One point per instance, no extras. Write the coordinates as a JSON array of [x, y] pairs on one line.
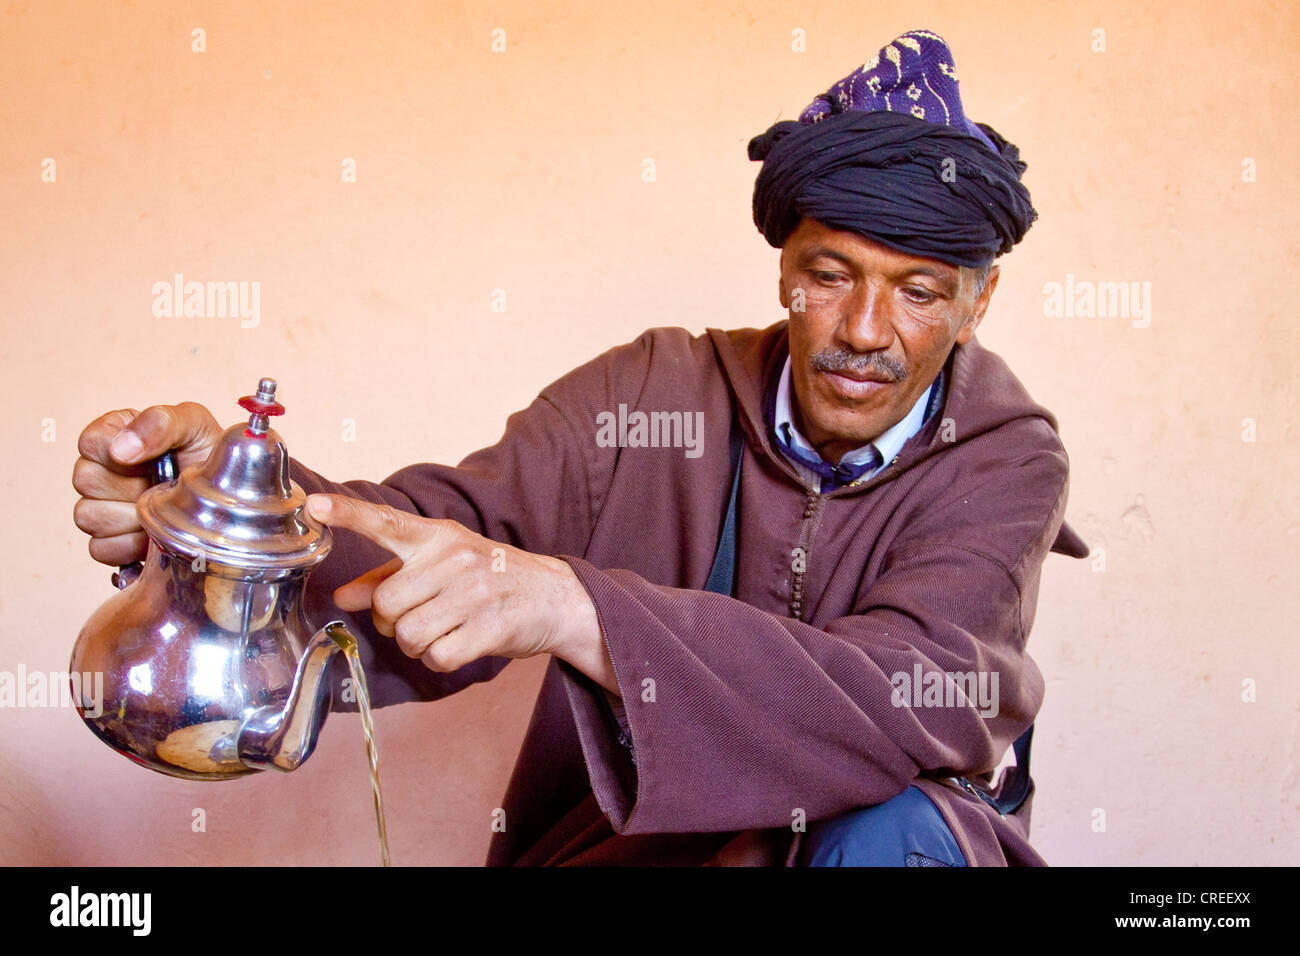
[[126, 446], [319, 505]]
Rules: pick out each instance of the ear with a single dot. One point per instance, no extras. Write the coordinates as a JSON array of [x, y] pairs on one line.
[[980, 306], [782, 294]]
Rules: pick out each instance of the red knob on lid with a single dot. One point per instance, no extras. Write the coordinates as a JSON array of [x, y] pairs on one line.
[[262, 405], [259, 406]]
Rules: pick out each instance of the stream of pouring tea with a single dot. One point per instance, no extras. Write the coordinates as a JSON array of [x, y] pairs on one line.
[[348, 646]]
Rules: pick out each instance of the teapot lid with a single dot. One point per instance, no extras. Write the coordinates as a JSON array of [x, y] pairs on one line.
[[240, 507]]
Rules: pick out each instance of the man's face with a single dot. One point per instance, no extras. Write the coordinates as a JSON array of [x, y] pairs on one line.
[[868, 332]]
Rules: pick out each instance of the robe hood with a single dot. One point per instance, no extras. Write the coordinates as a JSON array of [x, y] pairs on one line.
[[982, 395]]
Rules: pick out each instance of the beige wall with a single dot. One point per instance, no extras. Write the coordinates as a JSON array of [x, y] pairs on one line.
[[522, 171]]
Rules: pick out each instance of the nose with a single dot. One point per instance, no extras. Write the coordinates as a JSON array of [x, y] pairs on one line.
[[867, 325]]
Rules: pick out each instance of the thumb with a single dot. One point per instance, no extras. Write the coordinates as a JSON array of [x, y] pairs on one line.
[[387, 527], [188, 427]]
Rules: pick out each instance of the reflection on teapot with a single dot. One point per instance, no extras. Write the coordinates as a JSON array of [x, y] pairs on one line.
[[210, 668]]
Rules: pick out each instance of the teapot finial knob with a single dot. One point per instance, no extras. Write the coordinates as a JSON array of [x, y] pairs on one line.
[[262, 405]]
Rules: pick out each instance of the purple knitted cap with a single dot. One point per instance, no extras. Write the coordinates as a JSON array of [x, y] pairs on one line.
[[914, 74]]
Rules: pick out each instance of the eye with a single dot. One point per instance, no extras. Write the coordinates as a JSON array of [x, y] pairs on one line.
[[827, 278], [920, 296]]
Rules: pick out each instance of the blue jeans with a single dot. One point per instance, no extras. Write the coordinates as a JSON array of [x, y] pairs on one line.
[[905, 831]]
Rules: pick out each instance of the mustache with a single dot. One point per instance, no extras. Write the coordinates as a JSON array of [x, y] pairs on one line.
[[841, 360]]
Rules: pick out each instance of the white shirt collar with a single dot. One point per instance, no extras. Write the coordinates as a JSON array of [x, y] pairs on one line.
[[888, 443]]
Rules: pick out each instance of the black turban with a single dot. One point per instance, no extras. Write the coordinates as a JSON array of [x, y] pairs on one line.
[[887, 152], [915, 186]]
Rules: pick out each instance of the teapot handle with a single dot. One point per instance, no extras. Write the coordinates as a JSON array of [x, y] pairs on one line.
[[163, 469]]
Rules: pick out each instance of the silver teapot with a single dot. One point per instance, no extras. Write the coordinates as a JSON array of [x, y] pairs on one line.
[[210, 668]]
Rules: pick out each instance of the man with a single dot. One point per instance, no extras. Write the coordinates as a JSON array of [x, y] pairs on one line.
[[797, 636]]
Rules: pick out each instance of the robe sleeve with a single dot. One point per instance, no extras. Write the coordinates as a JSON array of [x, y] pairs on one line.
[[740, 719]]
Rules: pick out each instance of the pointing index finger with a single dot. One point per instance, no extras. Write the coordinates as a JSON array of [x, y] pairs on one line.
[[382, 524]]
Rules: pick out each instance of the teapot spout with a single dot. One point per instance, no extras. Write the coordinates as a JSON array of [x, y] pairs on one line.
[[281, 738]]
